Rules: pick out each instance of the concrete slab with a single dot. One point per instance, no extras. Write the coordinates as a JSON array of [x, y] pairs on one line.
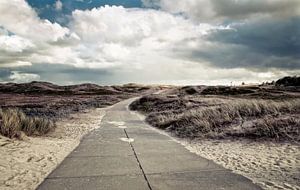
[[135, 121], [204, 180], [170, 163], [96, 166], [105, 135], [158, 147], [135, 182], [139, 130], [91, 149], [149, 137]]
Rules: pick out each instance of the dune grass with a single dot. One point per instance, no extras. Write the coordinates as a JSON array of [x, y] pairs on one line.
[[214, 117], [14, 122]]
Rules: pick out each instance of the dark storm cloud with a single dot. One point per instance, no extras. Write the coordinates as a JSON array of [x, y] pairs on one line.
[[269, 37], [242, 57], [260, 44]]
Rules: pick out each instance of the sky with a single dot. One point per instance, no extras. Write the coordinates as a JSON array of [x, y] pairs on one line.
[[183, 42]]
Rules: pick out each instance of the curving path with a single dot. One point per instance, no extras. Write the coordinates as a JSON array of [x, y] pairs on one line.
[[126, 153]]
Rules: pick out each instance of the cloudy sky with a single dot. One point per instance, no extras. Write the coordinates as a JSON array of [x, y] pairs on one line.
[[149, 41]]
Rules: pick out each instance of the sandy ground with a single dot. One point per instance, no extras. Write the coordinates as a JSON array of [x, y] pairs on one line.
[[24, 164], [273, 166]]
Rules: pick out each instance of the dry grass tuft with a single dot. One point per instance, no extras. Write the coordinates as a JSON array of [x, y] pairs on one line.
[[13, 122]]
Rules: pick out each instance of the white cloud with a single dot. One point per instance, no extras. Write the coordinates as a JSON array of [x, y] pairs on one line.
[[19, 63], [58, 5], [23, 77], [27, 24], [130, 37], [14, 43], [25, 37], [115, 52]]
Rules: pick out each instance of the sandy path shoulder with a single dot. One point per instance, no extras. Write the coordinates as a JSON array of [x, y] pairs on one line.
[[271, 165], [24, 164]]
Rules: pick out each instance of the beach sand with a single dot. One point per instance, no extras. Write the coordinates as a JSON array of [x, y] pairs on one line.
[[271, 165], [25, 163]]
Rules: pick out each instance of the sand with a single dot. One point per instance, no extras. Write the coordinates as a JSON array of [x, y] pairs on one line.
[[271, 165], [25, 163]]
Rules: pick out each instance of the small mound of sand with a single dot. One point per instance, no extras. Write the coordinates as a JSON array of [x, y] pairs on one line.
[[273, 166], [24, 164]]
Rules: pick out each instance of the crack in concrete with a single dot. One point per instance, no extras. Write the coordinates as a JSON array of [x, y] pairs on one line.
[[139, 163]]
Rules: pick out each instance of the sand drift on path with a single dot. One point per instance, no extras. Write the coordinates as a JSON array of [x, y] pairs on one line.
[[24, 164]]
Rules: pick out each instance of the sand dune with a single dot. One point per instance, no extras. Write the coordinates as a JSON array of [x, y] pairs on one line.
[[24, 164]]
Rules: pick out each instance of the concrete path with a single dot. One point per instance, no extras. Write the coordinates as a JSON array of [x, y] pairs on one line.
[[126, 153]]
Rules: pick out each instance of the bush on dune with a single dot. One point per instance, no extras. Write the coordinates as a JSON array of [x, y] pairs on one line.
[[13, 122]]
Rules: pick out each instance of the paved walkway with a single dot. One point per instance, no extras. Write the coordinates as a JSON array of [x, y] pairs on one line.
[[125, 153]]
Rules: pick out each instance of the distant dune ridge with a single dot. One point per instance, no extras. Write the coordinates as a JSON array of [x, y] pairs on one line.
[[79, 89]]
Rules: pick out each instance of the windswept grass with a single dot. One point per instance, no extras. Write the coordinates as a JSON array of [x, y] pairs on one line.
[[13, 122], [277, 128], [214, 117]]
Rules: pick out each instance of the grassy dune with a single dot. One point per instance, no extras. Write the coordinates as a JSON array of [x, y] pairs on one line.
[[202, 116]]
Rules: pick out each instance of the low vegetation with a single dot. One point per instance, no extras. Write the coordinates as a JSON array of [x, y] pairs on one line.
[[29, 108], [14, 122], [51, 101], [226, 116]]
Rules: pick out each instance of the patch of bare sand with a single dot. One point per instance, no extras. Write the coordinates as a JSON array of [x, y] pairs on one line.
[[273, 166], [24, 164]]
